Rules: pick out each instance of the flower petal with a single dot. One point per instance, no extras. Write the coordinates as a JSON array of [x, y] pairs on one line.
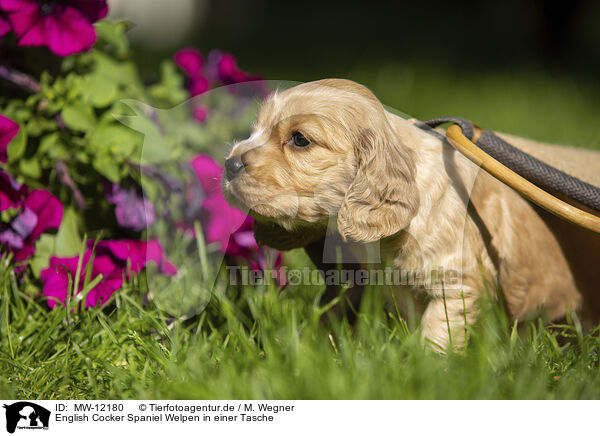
[[132, 209], [8, 130], [208, 172], [5, 26], [190, 61], [68, 31], [200, 114], [12, 193], [93, 10], [49, 211], [24, 223], [22, 14], [56, 277]]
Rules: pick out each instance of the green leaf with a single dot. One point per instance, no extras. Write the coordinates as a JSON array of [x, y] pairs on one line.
[[52, 146], [108, 167], [116, 139], [79, 116], [16, 147], [67, 239], [30, 168], [44, 248], [99, 90], [113, 33], [156, 147], [109, 79]]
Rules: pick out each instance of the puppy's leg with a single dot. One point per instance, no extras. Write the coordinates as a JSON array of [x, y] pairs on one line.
[[444, 319]]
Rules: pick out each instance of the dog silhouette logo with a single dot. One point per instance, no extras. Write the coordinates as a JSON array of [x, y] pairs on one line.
[[26, 415]]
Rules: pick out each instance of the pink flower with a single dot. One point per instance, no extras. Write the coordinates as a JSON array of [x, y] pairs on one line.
[[5, 26], [198, 85], [8, 129], [31, 214], [223, 224], [190, 61], [65, 27], [56, 277], [200, 114], [229, 72], [113, 259], [132, 256]]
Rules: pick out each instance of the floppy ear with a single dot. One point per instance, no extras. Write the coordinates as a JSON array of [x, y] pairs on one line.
[[383, 197], [275, 236]]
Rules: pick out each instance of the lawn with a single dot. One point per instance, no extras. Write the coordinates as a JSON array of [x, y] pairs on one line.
[[265, 342]]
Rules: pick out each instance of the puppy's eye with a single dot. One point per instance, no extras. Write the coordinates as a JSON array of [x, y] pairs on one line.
[[299, 139]]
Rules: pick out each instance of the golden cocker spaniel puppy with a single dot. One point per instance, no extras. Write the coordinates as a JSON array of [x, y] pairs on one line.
[[326, 157]]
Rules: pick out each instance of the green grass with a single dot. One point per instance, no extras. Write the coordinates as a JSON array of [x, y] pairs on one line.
[[261, 342]]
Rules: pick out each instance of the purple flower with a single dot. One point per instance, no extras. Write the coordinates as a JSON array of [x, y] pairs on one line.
[[113, 259], [27, 216], [132, 209], [65, 26], [8, 129]]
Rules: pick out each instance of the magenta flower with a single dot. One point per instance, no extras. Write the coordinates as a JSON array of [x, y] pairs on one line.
[[198, 85], [222, 224], [132, 256], [115, 260], [8, 129], [27, 216], [64, 26], [56, 278], [218, 219], [229, 72], [5, 26], [200, 113], [132, 209], [190, 61]]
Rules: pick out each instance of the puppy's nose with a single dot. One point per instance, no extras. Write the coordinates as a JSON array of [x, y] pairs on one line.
[[233, 166]]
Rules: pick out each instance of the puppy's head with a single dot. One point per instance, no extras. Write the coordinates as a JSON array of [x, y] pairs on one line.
[[318, 150]]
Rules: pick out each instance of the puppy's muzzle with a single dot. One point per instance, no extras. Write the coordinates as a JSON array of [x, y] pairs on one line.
[[233, 167]]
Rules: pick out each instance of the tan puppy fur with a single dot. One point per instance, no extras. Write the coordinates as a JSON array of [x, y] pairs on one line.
[[383, 179]]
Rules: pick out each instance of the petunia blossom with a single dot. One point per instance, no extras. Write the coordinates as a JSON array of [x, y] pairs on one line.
[[229, 72], [61, 272], [230, 228], [132, 256], [65, 27], [8, 130], [27, 214], [5, 26], [219, 220], [115, 260], [190, 61]]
